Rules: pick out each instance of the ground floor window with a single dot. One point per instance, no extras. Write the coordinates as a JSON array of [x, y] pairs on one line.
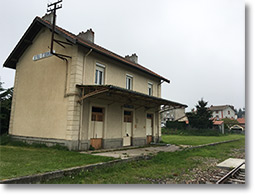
[[97, 114], [128, 116], [149, 116]]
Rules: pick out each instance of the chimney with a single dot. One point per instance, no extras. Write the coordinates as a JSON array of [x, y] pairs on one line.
[[133, 58], [87, 36], [49, 17]]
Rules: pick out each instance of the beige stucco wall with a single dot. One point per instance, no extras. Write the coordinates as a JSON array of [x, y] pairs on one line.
[[40, 106], [45, 102], [115, 73]]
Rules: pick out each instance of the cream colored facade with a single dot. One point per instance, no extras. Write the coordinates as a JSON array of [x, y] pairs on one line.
[[46, 106]]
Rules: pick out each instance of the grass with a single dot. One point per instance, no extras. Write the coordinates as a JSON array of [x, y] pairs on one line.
[[20, 161], [163, 165], [198, 140]]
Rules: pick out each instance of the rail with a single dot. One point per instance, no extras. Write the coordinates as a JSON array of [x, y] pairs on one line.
[[230, 175]]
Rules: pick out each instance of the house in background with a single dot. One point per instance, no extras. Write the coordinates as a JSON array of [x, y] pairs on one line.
[[87, 96], [219, 125], [173, 114], [241, 122], [224, 111]]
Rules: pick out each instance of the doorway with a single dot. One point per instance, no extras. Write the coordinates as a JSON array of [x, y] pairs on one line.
[[97, 125], [128, 126], [149, 127]]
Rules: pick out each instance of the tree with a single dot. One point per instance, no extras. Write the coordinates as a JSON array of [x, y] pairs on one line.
[[5, 108], [241, 113], [229, 122], [201, 117]]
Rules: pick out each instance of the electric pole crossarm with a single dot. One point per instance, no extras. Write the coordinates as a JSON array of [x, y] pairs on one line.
[[61, 43]]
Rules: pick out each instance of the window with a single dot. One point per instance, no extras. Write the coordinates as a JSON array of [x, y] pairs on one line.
[[150, 87], [99, 77], [217, 112], [128, 116], [129, 82], [149, 116], [97, 114], [229, 112]]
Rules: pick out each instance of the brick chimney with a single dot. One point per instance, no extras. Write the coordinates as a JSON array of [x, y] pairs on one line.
[[87, 36], [49, 17], [133, 58]]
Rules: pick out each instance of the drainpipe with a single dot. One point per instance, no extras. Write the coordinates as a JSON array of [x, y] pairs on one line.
[[84, 62]]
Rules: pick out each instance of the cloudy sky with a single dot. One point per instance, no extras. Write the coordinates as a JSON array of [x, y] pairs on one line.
[[198, 44]]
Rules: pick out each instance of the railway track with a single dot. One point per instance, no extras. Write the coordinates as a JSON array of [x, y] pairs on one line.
[[235, 176]]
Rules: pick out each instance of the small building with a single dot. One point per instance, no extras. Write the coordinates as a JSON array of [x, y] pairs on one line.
[[224, 111], [86, 96], [219, 125]]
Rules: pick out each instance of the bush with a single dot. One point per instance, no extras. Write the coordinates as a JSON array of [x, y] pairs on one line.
[[175, 125], [91, 148], [4, 139], [197, 132]]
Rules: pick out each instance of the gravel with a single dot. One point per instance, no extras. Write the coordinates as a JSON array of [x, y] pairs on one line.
[[206, 173]]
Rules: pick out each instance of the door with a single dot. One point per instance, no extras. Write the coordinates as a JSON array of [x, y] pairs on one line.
[[128, 123], [97, 125], [149, 127]]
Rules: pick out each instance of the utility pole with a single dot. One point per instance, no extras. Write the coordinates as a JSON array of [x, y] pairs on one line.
[[54, 9]]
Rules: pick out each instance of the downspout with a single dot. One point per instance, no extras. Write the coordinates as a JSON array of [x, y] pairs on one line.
[[84, 62], [65, 95], [81, 115]]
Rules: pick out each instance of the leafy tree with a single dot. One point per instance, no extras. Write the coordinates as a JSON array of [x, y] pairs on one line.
[[5, 108], [229, 122], [201, 117]]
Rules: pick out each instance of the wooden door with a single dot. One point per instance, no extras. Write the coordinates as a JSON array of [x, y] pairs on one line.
[[128, 123], [149, 127]]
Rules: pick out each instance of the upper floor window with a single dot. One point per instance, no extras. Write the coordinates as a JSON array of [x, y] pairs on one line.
[[228, 112], [150, 88], [129, 82], [99, 76]]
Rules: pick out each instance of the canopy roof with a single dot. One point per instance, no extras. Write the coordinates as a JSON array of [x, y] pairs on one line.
[[125, 96]]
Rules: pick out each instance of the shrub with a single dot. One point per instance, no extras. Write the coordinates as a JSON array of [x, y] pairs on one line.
[[201, 132]]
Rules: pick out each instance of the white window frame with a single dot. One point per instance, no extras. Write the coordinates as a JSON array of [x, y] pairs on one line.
[[150, 88], [129, 85], [99, 74]]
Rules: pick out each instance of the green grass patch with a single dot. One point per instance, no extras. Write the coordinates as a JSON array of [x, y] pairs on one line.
[[163, 165], [20, 161], [198, 140]]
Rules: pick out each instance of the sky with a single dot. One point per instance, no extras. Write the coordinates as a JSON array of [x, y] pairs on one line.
[[199, 45]]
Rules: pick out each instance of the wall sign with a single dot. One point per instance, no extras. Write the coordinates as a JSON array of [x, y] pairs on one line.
[[42, 55]]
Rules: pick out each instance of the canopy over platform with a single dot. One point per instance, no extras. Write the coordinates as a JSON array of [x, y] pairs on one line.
[[127, 97]]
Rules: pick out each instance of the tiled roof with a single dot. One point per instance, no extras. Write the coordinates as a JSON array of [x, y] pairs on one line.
[[214, 108], [241, 120], [218, 122], [34, 29], [103, 50]]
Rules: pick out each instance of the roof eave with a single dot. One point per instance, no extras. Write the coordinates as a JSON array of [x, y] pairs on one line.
[[36, 26], [23, 44]]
